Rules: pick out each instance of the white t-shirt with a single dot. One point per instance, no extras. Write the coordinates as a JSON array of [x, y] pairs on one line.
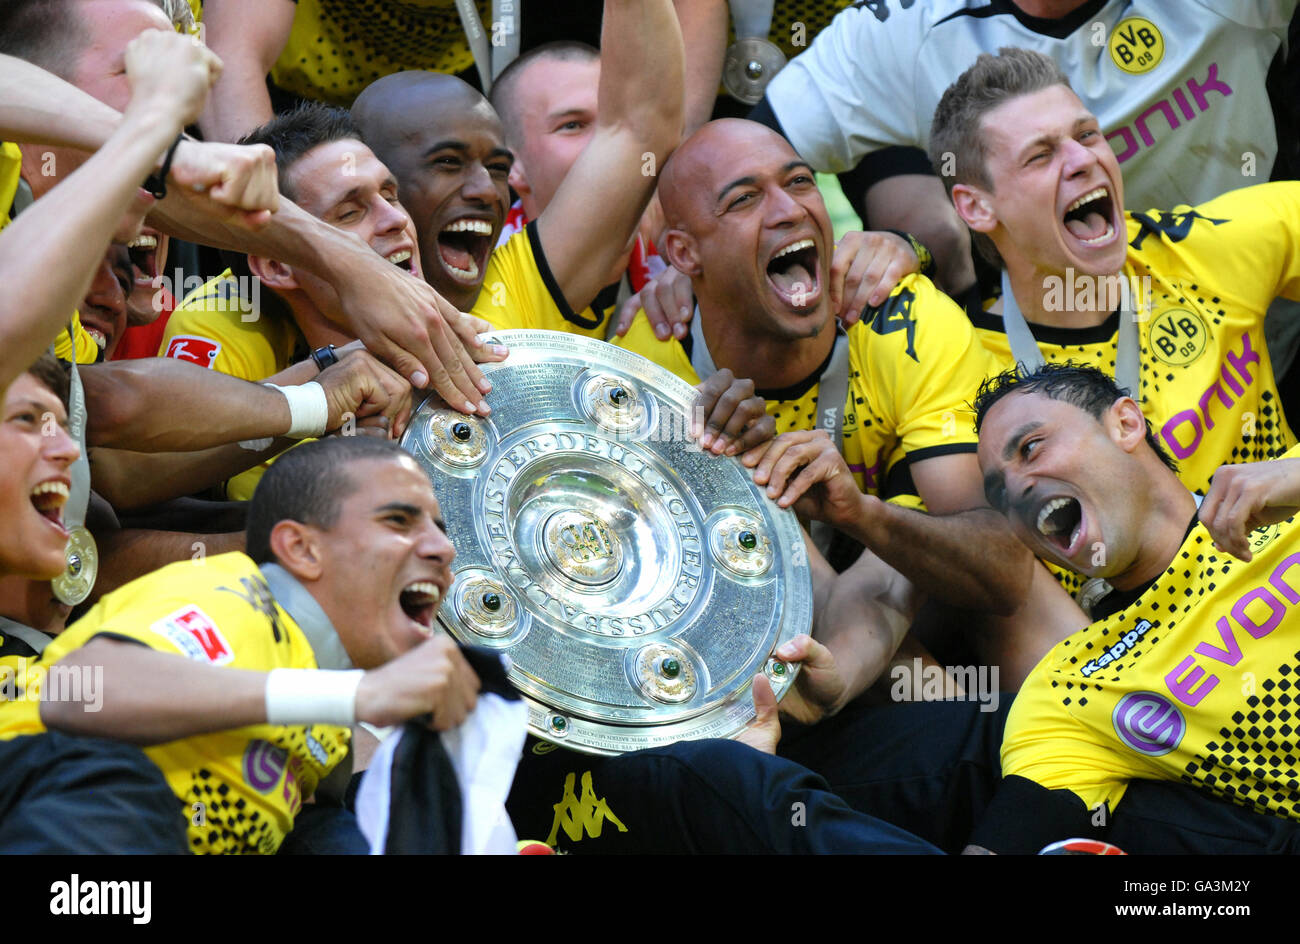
[[1187, 72]]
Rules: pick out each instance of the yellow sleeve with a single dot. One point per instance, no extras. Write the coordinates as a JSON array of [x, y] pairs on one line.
[[520, 292], [670, 355], [1044, 743], [11, 163], [924, 366], [178, 610], [1248, 239], [215, 327], [87, 351]]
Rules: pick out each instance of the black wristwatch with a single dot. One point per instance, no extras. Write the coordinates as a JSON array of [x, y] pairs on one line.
[[325, 356]]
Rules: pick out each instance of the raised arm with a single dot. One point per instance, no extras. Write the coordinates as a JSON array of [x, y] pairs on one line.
[[249, 36], [589, 223], [64, 235]]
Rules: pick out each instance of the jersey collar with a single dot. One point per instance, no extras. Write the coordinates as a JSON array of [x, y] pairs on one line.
[[307, 613]]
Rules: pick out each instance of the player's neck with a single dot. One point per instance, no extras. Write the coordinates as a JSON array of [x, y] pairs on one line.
[[1170, 506], [1066, 299], [770, 361], [31, 603]]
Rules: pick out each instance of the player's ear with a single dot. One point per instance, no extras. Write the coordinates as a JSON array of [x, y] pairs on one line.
[[518, 177], [973, 206], [273, 274], [681, 252], [297, 548], [1127, 425]]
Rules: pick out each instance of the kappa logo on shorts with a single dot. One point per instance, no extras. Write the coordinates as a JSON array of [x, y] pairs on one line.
[[195, 635], [196, 350], [1149, 723], [578, 816]]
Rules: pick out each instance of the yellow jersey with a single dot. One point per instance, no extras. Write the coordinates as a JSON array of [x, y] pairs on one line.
[[240, 788], [520, 292], [336, 48], [914, 368], [1207, 381], [1191, 682], [218, 327]]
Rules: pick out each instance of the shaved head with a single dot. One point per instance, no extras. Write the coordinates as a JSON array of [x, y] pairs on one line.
[[397, 106], [692, 179]]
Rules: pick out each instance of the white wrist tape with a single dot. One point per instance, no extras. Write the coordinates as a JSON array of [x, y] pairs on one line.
[[312, 696], [309, 410]]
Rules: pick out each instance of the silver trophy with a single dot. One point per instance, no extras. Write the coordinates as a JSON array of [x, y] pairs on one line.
[[636, 582]]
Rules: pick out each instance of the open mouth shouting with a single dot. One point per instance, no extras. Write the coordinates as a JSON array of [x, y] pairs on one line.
[[144, 258], [402, 259], [1090, 218], [794, 273], [419, 601], [463, 248], [1060, 522], [48, 498]]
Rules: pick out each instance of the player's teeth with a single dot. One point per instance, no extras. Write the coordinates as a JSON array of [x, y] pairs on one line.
[[398, 258], [470, 273], [143, 242], [1087, 198], [427, 588], [56, 488], [794, 247], [1050, 507], [1110, 231], [481, 227], [98, 337]]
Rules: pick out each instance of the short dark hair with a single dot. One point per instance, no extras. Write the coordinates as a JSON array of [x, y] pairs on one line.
[[956, 142], [53, 373], [306, 126], [46, 33], [564, 50], [1079, 384], [308, 484]]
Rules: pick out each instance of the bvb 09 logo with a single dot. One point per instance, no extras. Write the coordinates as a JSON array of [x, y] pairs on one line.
[[1136, 45], [1149, 723], [1178, 337]]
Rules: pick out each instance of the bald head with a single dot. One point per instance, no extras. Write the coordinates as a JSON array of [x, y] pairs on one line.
[[699, 171], [399, 106]]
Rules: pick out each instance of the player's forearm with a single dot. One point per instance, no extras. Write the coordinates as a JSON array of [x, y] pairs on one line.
[[704, 37], [50, 253], [643, 92], [130, 480], [148, 697], [239, 102], [131, 553], [38, 106], [970, 559], [166, 405]]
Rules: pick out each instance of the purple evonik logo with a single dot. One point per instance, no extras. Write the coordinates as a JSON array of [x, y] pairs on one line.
[[1149, 723]]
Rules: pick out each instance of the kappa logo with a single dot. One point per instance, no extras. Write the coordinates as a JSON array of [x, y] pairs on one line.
[[581, 816], [195, 635], [196, 350], [896, 315], [1174, 225]]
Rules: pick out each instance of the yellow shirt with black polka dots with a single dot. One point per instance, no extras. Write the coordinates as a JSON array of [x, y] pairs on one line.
[[914, 368], [1208, 388], [241, 788]]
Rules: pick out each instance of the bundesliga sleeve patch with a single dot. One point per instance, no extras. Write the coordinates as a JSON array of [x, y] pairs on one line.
[[195, 635], [196, 350]]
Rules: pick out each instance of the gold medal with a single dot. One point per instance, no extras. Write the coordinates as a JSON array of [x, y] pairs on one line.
[[78, 578]]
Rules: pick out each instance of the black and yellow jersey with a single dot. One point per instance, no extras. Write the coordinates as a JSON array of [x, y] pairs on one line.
[[240, 788], [11, 165], [337, 47], [1207, 381], [519, 291], [796, 23], [218, 327], [914, 367], [1192, 682]]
